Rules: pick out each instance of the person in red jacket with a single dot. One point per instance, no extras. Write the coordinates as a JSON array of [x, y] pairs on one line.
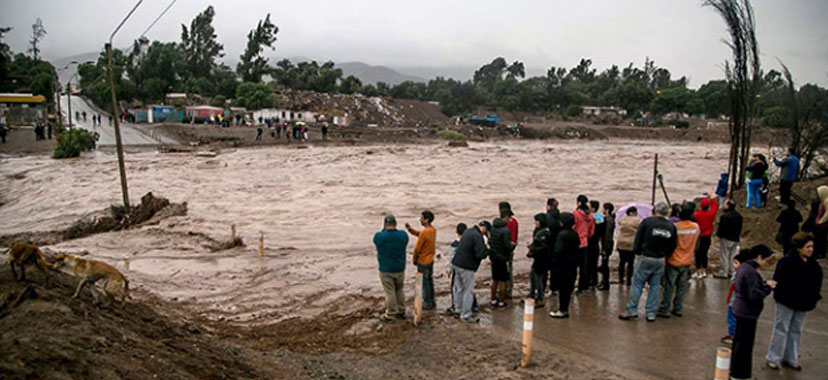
[[512, 226], [585, 227], [705, 217]]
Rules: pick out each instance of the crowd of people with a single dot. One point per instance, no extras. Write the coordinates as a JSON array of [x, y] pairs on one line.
[[570, 252]]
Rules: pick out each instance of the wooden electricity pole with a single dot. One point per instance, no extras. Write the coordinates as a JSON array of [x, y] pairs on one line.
[[118, 146]]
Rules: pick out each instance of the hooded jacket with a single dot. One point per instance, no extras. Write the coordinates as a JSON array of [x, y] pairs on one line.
[[706, 217], [500, 242], [730, 225], [541, 248], [584, 225], [567, 245], [471, 250], [656, 237], [721, 187]]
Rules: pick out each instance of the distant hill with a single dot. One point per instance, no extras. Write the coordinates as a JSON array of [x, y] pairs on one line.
[[373, 74]]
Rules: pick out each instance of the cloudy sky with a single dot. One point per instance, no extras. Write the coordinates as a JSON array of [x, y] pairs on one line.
[[677, 34]]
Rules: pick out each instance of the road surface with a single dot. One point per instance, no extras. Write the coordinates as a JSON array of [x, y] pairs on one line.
[[131, 134]]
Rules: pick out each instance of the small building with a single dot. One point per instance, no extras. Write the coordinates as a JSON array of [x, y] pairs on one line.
[[606, 111], [20, 109], [286, 115], [161, 113], [203, 113]]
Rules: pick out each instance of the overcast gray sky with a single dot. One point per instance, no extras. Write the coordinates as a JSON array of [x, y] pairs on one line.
[[677, 34]]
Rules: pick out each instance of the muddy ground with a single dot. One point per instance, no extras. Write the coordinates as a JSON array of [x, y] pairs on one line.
[[308, 308]]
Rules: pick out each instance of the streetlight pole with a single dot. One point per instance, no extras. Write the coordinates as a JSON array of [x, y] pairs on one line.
[[69, 101], [118, 146]]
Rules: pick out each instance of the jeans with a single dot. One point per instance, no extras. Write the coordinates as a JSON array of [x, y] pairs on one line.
[[728, 251], [510, 283], [392, 284], [753, 196], [676, 279], [731, 321], [463, 291], [787, 334], [428, 285], [741, 362], [701, 251], [537, 285], [647, 270]]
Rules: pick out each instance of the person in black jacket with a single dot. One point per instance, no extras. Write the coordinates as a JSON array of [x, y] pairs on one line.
[[553, 218], [607, 245], [470, 252], [788, 220], [799, 279], [730, 229], [750, 293], [500, 251], [567, 257], [540, 250]]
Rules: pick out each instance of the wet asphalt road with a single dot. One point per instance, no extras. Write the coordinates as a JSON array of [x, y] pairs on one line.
[[674, 348]]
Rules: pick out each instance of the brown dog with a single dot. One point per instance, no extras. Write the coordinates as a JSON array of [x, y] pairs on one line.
[[90, 271], [24, 254]]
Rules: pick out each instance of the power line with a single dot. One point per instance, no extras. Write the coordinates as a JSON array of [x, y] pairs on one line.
[[158, 18]]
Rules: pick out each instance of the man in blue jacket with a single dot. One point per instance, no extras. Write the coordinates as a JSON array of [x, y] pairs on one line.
[[391, 244], [790, 169]]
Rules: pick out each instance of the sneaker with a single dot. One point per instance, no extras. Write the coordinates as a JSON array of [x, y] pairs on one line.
[[696, 276], [727, 339], [678, 313], [773, 365], [662, 315], [386, 319], [651, 318], [793, 366], [558, 314], [493, 303], [704, 275], [628, 317], [539, 304], [603, 287], [501, 305], [470, 319]]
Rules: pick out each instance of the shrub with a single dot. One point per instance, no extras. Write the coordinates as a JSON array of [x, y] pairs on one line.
[[573, 110], [74, 141], [450, 135]]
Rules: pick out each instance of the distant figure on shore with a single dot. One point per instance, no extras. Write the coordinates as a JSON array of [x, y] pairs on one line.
[[790, 170], [721, 190], [391, 243], [756, 173], [788, 220], [324, 131]]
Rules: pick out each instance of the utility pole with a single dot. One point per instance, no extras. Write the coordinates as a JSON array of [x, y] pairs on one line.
[[118, 146], [57, 101], [69, 101]]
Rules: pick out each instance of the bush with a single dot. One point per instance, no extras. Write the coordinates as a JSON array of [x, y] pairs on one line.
[[451, 135], [573, 110], [74, 141]]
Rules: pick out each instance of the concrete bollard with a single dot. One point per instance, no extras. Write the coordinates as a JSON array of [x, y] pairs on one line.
[[418, 298], [722, 364], [528, 319], [261, 245]]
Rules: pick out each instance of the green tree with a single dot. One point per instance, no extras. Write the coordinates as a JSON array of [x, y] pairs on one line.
[[350, 85], [218, 101], [38, 32], [200, 44], [369, 90], [255, 96], [253, 65], [715, 96], [489, 74]]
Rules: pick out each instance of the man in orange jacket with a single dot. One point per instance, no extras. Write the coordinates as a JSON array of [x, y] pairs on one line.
[[424, 256], [678, 264]]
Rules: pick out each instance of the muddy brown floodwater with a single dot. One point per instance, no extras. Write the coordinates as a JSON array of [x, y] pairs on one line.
[[318, 208]]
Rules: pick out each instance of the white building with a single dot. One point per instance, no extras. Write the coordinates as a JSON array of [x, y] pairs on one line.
[[286, 115], [597, 111]]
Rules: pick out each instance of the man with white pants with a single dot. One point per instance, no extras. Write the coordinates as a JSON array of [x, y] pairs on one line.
[[730, 229]]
